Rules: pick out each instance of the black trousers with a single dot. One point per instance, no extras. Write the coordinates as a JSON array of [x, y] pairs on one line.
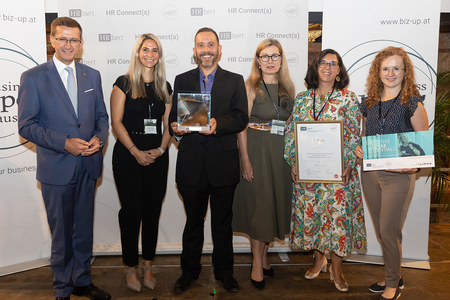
[[141, 192], [195, 199]]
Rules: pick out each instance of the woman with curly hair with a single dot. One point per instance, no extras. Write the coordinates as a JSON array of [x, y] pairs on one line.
[[327, 217], [140, 104], [262, 201], [393, 105]]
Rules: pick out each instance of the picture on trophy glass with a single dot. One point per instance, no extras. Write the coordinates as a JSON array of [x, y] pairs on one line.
[[193, 112]]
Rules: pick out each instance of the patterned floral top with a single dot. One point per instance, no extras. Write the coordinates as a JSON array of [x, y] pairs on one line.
[[325, 216]]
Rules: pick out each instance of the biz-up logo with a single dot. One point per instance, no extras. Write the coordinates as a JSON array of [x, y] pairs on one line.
[[171, 61], [196, 11], [74, 13], [104, 37], [303, 128], [292, 10], [16, 60], [292, 59], [170, 12]]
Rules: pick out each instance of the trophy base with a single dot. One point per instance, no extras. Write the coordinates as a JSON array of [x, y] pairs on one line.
[[193, 128]]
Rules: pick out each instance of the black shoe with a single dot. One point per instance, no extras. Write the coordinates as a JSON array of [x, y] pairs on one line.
[[229, 283], [396, 296], [91, 291], [268, 272], [62, 298], [183, 283], [259, 284], [375, 288]]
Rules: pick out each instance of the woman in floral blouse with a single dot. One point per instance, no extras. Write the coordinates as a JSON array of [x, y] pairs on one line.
[[327, 217]]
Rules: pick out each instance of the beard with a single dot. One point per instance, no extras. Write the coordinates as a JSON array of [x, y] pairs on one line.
[[206, 64]]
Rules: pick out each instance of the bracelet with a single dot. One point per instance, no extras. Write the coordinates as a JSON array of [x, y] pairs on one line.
[[161, 149], [418, 170], [131, 147]]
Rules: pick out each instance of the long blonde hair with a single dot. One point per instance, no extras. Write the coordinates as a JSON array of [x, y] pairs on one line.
[[374, 84], [285, 85], [136, 69]]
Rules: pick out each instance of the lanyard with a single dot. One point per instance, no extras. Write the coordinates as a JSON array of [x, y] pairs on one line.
[[383, 120], [277, 108], [314, 105], [150, 111]]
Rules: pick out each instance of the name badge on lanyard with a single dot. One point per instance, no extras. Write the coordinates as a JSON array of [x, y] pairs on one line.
[[150, 124], [278, 127]]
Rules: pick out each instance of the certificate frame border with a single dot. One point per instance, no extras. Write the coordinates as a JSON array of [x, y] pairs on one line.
[[341, 131]]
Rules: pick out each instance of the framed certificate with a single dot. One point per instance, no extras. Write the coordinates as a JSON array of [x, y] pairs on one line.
[[193, 112], [319, 148]]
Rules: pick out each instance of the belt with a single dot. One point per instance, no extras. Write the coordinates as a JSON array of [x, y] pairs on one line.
[[261, 126]]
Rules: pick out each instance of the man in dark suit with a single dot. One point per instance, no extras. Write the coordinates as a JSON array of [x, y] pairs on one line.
[[61, 110], [208, 161]]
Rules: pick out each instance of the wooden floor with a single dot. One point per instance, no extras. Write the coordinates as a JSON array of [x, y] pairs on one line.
[[288, 283]]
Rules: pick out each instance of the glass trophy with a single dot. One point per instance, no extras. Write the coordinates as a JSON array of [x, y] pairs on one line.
[[193, 112]]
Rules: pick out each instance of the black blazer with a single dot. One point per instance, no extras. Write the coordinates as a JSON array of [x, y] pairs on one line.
[[219, 152]]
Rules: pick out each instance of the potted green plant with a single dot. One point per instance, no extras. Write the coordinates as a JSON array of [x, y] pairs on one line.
[[440, 179]]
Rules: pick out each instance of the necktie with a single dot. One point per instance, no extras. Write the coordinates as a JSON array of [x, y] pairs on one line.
[[71, 89]]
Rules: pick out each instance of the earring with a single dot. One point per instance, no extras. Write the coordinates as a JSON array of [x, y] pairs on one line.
[[259, 66], [338, 78]]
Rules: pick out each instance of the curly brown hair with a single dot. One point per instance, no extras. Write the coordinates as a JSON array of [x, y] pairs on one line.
[[374, 84]]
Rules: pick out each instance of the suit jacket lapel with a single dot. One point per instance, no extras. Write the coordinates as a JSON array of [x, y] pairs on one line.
[[196, 79], [215, 91], [81, 84], [55, 79]]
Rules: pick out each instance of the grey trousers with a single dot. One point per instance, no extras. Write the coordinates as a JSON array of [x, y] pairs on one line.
[[388, 196]]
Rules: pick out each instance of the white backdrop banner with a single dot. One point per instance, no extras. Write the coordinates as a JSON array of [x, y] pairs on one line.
[[24, 233], [358, 30], [110, 29]]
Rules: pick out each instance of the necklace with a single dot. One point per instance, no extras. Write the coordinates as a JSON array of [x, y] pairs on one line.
[[314, 105]]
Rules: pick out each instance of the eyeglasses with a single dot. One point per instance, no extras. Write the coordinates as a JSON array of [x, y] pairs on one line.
[[274, 57], [395, 70], [333, 64], [64, 41]]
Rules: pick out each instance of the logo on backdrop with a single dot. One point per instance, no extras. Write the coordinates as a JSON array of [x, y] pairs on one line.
[[78, 13], [250, 11], [278, 36], [292, 10], [292, 59], [16, 60], [167, 37], [117, 61], [171, 60], [200, 11], [107, 37], [228, 35], [240, 59], [170, 12]]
